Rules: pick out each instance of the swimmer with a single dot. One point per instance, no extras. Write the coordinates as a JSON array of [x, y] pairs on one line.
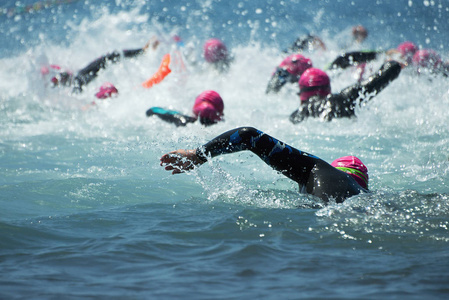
[[402, 54], [208, 108], [307, 43], [317, 100], [353, 58], [359, 34], [404, 51], [289, 70], [90, 72], [343, 178], [430, 62], [216, 54]]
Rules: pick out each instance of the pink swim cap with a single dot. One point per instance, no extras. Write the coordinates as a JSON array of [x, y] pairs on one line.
[[215, 51], [208, 107], [106, 91], [314, 82], [354, 167], [427, 59], [407, 49], [296, 64]]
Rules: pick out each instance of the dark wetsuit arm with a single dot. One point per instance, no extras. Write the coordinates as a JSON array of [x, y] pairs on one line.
[[133, 53], [279, 78], [301, 43], [90, 72], [353, 58], [170, 116], [368, 88], [291, 162]]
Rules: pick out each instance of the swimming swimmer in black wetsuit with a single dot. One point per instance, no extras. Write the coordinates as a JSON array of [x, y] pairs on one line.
[[317, 100], [346, 177], [308, 42], [90, 72], [353, 58]]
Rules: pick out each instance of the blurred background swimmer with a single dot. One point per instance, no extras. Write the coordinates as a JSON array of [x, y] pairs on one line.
[[359, 59], [289, 70], [208, 109], [308, 43], [352, 38], [403, 53], [359, 34], [428, 61], [90, 72], [216, 54]]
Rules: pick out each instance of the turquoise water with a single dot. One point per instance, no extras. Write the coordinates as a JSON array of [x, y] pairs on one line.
[[87, 212]]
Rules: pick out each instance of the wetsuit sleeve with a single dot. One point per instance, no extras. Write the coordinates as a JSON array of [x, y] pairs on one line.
[[298, 116], [300, 44], [90, 72], [133, 53], [279, 78], [368, 88], [353, 58], [291, 162], [170, 116]]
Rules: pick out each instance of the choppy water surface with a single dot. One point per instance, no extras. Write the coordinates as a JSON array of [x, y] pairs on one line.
[[87, 212]]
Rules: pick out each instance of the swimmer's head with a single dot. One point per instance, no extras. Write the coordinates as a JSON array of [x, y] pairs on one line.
[[407, 50], [354, 167], [296, 64], [314, 82], [359, 33], [63, 78], [208, 107], [106, 91], [428, 59], [215, 51]]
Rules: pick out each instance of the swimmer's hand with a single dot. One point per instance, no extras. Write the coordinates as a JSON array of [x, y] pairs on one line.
[[180, 161], [153, 43]]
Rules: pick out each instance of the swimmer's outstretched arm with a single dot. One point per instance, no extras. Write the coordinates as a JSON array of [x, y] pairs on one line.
[[170, 116], [368, 88], [348, 59], [291, 162]]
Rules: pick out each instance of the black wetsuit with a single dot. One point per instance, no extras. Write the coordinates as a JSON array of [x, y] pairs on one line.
[[343, 104], [314, 175], [87, 74], [170, 116], [353, 58], [302, 43], [279, 78]]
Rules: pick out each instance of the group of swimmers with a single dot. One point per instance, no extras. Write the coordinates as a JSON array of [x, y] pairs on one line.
[[346, 176]]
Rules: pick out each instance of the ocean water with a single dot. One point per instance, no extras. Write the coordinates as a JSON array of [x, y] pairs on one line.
[[87, 211]]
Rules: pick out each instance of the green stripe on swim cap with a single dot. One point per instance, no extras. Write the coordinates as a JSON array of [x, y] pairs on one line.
[[354, 172]]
